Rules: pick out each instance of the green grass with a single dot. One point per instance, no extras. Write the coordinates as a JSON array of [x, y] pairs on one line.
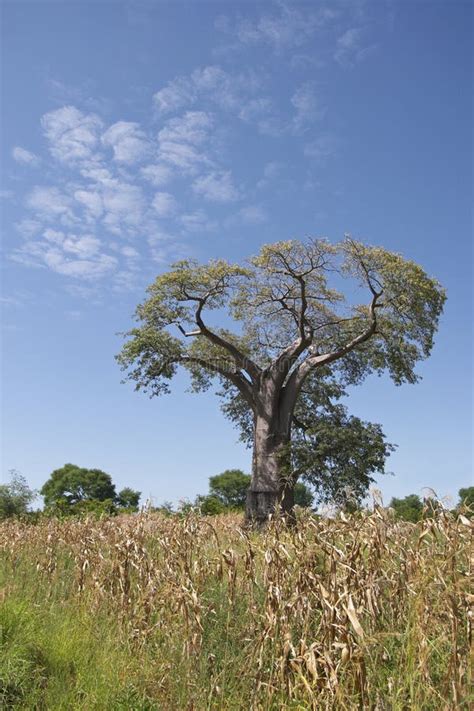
[[167, 615]]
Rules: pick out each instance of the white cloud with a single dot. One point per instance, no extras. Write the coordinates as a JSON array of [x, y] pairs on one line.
[[21, 155], [254, 109], [176, 95], [165, 246], [214, 85], [193, 127], [72, 255], [130, 252], [350, 47], [83, 246], [157, 174], [286, 28], [307, 105], [27, 227], [92, 201], [179, 138], [124, 207], [79, 268], [197, 221], [216, 186], [127, 141], [253, 215], [164, 204], [271, 171], [321, 148], [120, 204], [72, 135], [228, 91], [182, 156], [49, 202]]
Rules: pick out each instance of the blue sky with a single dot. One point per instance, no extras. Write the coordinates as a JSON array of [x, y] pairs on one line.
[[137, 133]]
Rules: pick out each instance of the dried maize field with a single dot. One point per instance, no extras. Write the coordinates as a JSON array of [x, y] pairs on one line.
[[192, 613]]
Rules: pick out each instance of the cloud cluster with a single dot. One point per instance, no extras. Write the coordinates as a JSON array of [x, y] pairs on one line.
[[25, 157], [280, 28], [114, 192], [72, 135]]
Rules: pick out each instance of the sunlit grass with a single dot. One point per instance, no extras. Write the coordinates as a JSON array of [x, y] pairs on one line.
[[153, 612]]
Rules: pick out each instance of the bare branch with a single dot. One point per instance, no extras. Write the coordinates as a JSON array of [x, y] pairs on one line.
[[299, 375], [241, 360], [236, 377]]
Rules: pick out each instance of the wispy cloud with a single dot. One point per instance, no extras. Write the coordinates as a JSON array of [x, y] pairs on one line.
[[197, 221], [180, 139], [214, 87], [72, 135], [50, 202], [322, 147], [72, 255], [128, 142], [285, 27], [164, 204], [216, 187], [308, 106], [351, 48], [175, 96], [253, 215], [157, 174], [271, 172], [25, 157]]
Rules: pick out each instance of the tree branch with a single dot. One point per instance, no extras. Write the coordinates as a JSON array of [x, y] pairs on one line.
[[235, 377], [241, 360], [299, 375], [282, 364]]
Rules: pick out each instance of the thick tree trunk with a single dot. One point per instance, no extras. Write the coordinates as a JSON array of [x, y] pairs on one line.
[[270, 488]]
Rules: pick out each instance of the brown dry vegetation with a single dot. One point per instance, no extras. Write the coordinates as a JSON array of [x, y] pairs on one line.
[[154, 612]]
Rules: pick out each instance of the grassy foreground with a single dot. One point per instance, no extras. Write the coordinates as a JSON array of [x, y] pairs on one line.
[[148, 612]]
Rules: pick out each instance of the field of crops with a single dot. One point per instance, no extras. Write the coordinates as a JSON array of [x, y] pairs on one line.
[[153, 612]]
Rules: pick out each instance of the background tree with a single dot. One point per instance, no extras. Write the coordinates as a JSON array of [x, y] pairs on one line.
[[466, 499], [15, 497], [210, 505], [128, 498], [410, 508], [230, 487], [303, 495], [292, 322], [74, 484]]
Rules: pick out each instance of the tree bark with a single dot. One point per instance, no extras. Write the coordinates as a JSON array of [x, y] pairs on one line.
[[270, 488]]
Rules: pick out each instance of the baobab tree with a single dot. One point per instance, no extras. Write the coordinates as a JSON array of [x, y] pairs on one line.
[[292, 323]]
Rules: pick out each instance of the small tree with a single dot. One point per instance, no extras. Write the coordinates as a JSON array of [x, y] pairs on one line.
[[466, 499], [303, 495], [16, 496], [210, 505], [74, 484], [230, 487], [409, 508], [128, 499]]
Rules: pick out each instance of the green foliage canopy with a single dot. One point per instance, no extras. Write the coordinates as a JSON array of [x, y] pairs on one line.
[[285, 296], [336, 453], [230, 487], [16, 496], [128, 498], [74, 484], [410, 508]]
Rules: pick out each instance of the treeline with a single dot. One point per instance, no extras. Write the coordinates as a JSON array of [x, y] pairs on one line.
[[70, 490], [73, 490]]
